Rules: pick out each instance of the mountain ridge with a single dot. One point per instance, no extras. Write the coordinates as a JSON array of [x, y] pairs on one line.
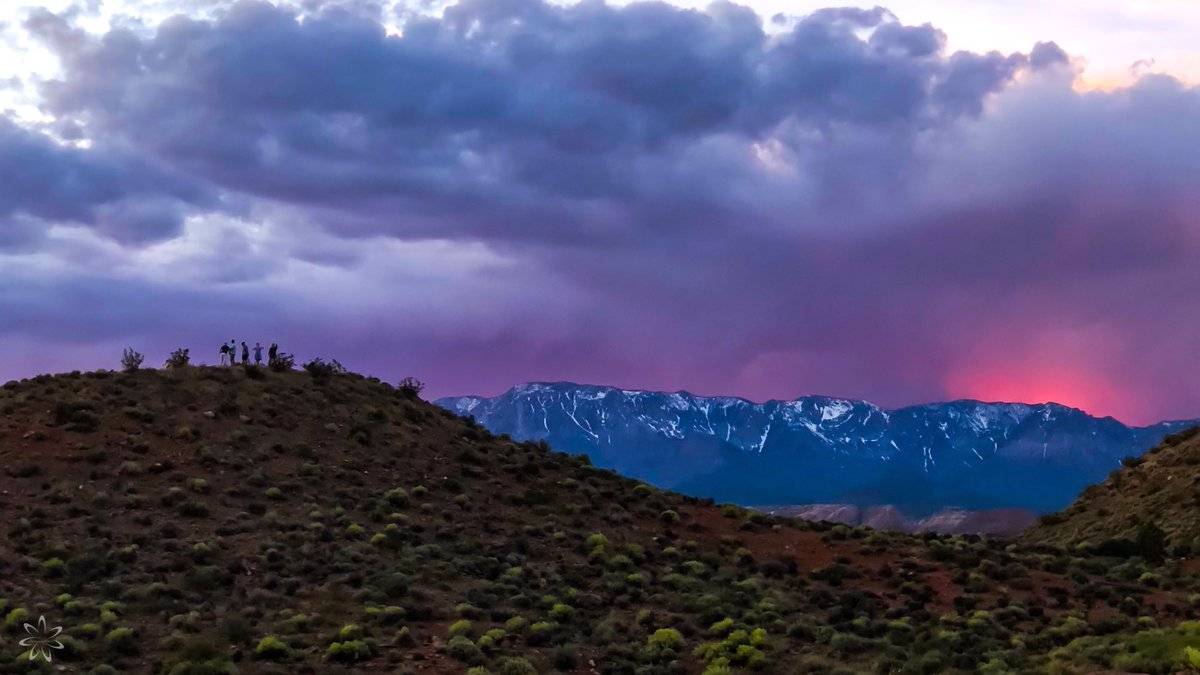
[[825, 449]]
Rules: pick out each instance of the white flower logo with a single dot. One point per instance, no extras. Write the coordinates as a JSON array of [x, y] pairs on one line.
[[41, 639]]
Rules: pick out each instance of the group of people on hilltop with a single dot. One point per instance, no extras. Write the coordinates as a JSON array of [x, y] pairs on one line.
[[229, 353]]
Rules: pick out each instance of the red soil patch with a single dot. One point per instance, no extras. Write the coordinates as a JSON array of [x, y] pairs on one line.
[[805, 547]]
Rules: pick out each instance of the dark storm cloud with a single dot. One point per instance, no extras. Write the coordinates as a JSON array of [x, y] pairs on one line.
[[504, 119], [643, 195], [122, 195]]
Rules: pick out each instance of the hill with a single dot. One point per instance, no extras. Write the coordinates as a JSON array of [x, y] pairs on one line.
[[1153, 500], [961, 455], [206, 520], [996, 522]]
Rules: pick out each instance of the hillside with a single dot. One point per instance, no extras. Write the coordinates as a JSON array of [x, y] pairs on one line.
[[207, 520], [995, 522], [923, 459], [1158, 491]]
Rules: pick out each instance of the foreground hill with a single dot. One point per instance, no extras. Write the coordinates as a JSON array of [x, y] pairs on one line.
[[1152, 501], [920, 459], [210, 520]]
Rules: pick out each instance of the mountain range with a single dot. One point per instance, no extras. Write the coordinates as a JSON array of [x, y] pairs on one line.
[[921, 459]]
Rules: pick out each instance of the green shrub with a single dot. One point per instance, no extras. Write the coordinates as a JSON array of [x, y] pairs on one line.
[[562, 613], [121, 641], [462, 648], [541, 633], [514, 665], [15, 619], [348, 651], [53, 568], [666, 639], [271, 648]]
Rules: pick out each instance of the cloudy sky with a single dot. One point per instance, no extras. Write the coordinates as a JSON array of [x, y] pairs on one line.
[[986, 199]]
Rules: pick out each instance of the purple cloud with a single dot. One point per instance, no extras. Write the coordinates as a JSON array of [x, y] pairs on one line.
[[640, 195]]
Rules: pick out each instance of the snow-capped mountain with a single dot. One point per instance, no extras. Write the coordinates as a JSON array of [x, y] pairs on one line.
[[816, 449]]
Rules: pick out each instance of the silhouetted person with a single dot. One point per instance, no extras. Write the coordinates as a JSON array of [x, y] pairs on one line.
[[257, 353], [224, 354], [233, 352], [272, 353], [245, 354]]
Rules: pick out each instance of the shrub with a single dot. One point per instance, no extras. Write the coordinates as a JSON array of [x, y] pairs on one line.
[[514, 665], [410, 387], [461, 648], [121, 640], [271, 648], [562, 612], [541, 633], [666, 638], [131, 360], [77, 416], [282, 363], [15, 618], [321, 370], [180, 358], [348, 651], [53, 567], [564, 658], [1152, 542]]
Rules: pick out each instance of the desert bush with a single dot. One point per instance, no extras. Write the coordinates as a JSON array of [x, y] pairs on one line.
[[321, 370], [271, 648], [77, 416], [199, 657], [131, 360], [514, 665], [121, 641], [282, 363], [462, 648], [180, 358], [348, 651], [410, 387]]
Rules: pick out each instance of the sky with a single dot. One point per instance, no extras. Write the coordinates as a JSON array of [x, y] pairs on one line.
[[917, 202]]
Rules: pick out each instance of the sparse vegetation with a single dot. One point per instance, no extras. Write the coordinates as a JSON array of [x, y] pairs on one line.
[[180, 358], [411, 387], [203, 521], [131, 360]]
